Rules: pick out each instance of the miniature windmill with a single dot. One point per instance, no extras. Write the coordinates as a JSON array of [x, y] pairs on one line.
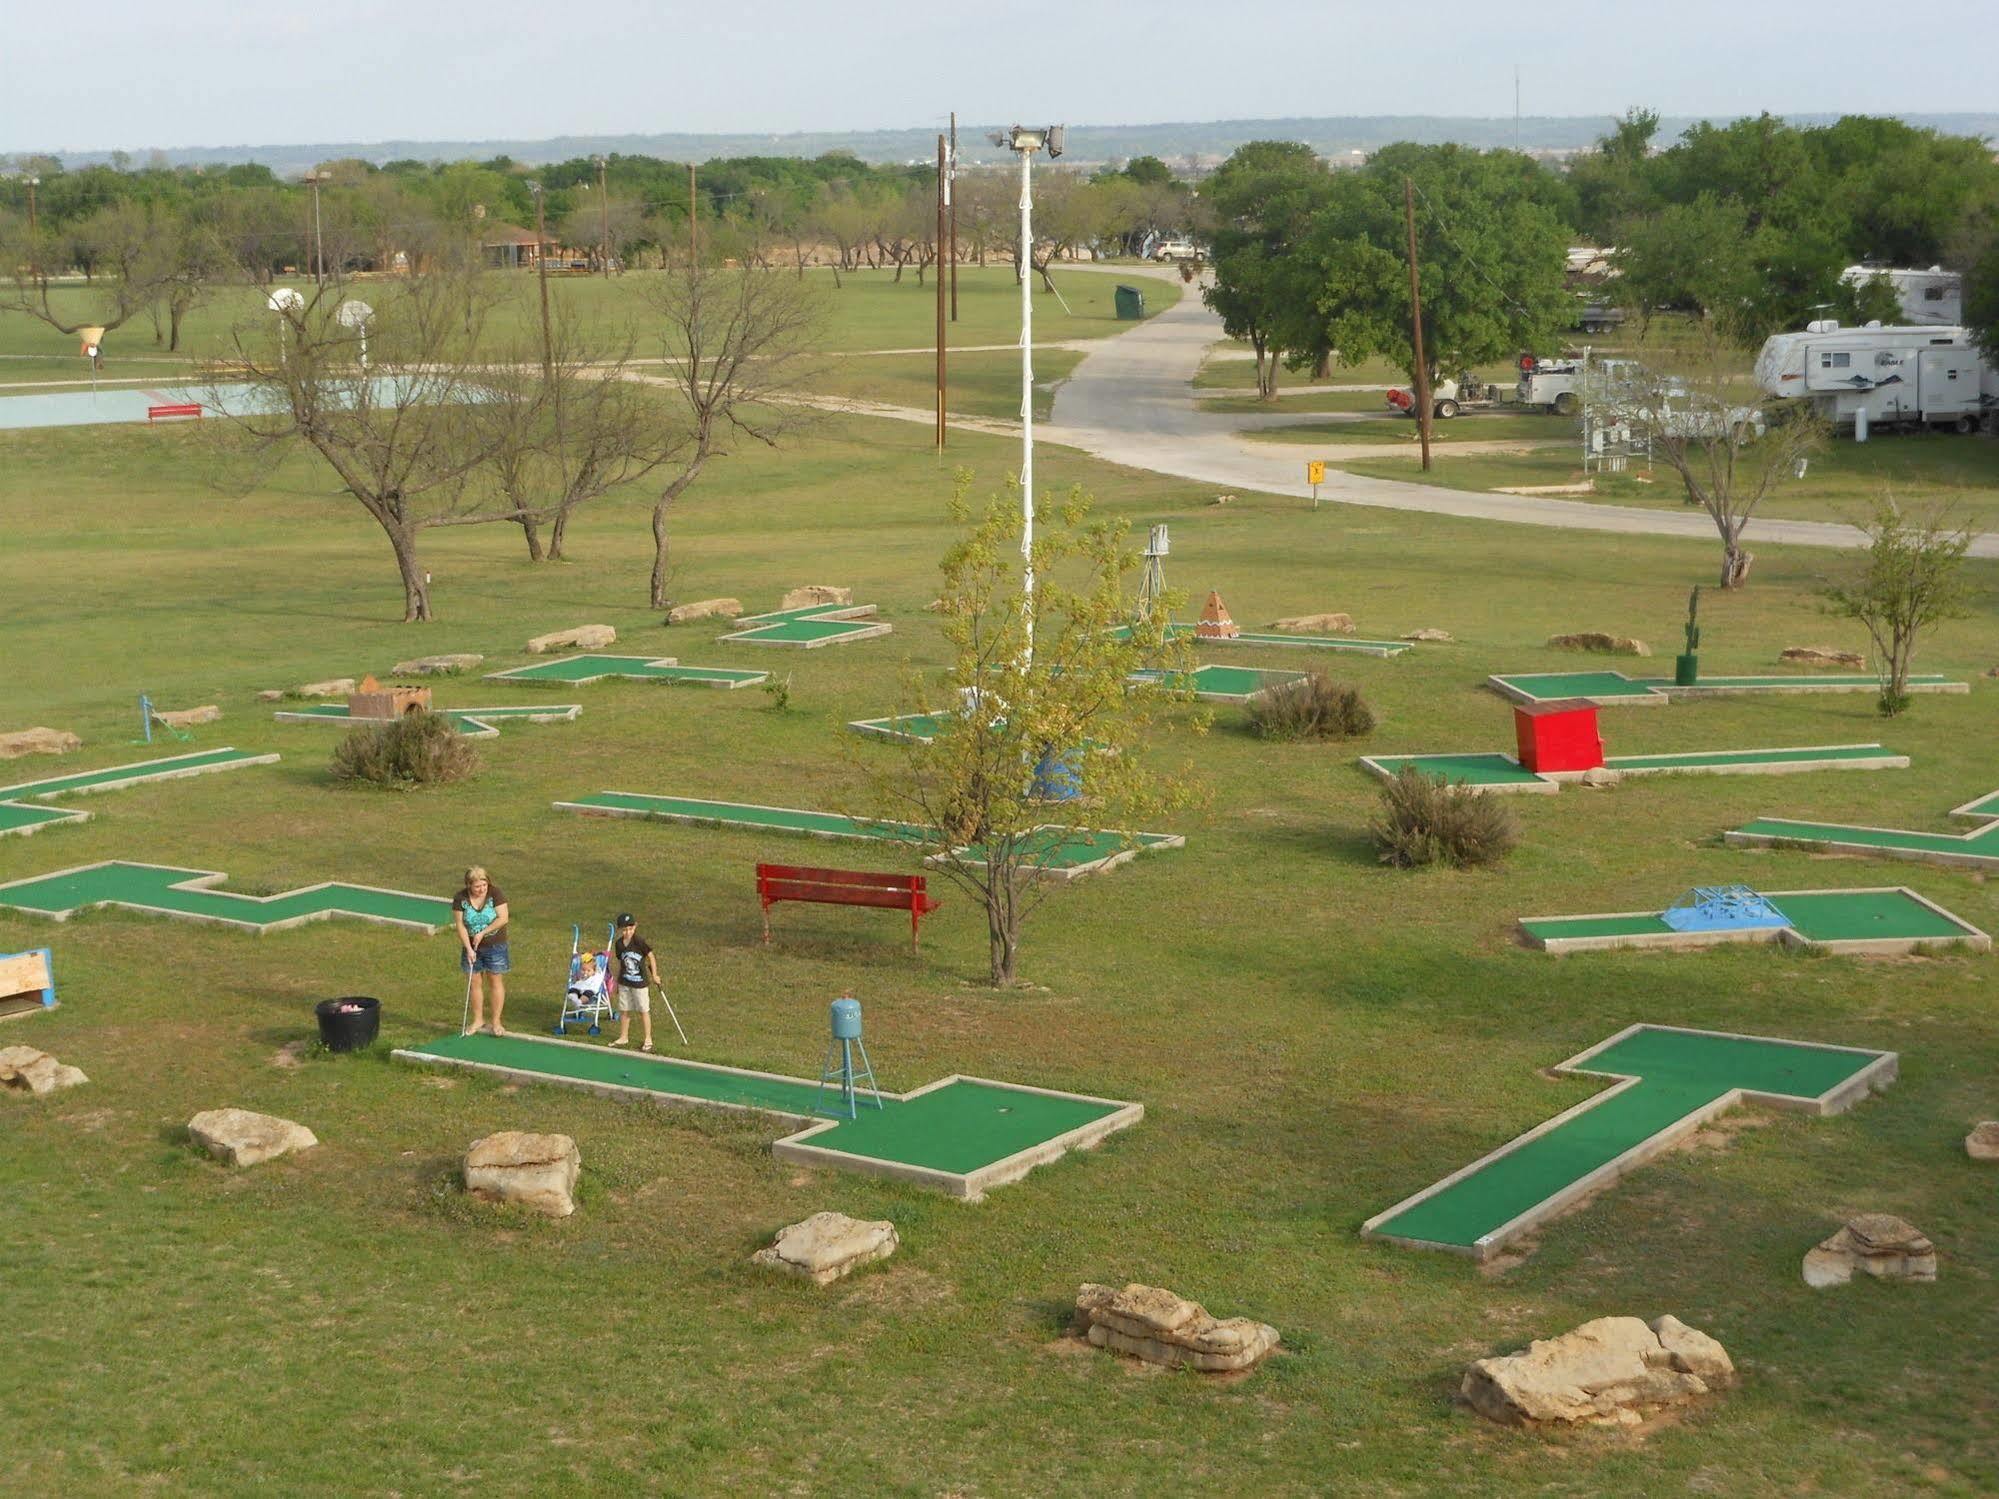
[[1152, 585]]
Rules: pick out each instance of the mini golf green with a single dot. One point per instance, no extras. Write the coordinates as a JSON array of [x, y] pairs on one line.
[[473, 723], [1612, 689], [161, 890], [1302, 642], [1497, 772], [1480, 772], [1671, 1081], [1882, 921], [582, 670], [18, 816], [1220, 684], [918, 728], [810, 627], [962, 1134], [1057, 851], [1978, 849]]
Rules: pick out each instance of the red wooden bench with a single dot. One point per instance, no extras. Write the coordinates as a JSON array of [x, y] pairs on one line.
[[844, 887], [186, 408]]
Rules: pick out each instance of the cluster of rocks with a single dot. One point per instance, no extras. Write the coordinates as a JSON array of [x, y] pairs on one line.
[[813, 594], [1611, 1371], [436, 666], [1429, 634], [37, 741], [681, 614], [23, 1069], [581, 638], [1315, 624], [1822, 655], [1600, 643], [1876, 1244], [827, 1246], [1153, 1324], [1982, 1144], [186, 718], [536, 1171], [331, 687], [240, 1137]]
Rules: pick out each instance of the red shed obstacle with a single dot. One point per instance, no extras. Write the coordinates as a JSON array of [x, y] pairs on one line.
[[1559, 736]]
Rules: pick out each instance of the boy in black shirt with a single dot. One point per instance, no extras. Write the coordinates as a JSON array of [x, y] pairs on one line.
[[632, 964]]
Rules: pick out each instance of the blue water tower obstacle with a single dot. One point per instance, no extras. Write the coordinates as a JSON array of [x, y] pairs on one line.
[[1722, 908], [839, 1068]]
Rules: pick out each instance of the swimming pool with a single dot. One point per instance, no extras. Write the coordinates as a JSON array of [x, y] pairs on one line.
[[85, 408]]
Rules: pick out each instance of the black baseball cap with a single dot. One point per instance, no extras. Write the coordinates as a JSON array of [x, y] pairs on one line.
[[625, 918]]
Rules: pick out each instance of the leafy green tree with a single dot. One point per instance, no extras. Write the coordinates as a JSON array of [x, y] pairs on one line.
[[1261, 200], [973, 788], [1911, 582]]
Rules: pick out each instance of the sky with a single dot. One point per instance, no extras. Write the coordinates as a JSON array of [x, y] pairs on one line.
[[185, 73]]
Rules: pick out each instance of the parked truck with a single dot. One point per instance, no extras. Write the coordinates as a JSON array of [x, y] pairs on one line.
[[1875, 376]]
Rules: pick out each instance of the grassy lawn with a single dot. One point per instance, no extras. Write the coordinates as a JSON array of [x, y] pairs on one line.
[[1471, 426], [984, 384], [1313, 1035], [871, 310], [1923, 469]]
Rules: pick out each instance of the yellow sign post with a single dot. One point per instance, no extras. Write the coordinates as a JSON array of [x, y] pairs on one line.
[[1315, 475]]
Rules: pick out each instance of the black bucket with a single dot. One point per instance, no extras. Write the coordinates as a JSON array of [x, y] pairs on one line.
[[349, 1024]]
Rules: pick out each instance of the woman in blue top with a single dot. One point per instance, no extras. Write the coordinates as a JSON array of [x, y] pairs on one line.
[[479, 911]]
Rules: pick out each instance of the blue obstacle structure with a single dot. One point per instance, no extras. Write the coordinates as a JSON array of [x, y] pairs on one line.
[[839, 1069], [1721, 908]]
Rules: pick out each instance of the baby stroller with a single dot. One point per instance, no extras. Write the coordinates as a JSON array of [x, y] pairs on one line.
[[586, 998]]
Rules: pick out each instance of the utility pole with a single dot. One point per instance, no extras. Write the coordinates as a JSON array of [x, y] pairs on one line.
[[693, 240], [548, 384], [951, 203], [603, 220], [943, 191], [1416, 324], [34, 234], [318, 239]]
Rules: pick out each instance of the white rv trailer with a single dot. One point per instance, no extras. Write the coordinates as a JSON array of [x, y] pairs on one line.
[[1900, 376], [1934, 297]]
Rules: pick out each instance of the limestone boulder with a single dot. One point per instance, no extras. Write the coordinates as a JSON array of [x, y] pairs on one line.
[[1612, 1371], [37, 741], [1982, 1144], [23, 1069], [1315, 624], [1822, 655], [1876, 1244], [827, 1246], [331, 687], [271, 695], [581, 638], [816, 593], [1153, 1324], [436, 666], [1427, 633], [681, 614], [241, 1137], [1599, 643], [537, 1171], [187, 718], [1600, 778]]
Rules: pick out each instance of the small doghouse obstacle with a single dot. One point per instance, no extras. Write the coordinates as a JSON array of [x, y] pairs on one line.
[[27, 982], [372, 700]]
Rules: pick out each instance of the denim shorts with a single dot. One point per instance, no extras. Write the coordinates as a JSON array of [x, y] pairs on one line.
[[492, 958]]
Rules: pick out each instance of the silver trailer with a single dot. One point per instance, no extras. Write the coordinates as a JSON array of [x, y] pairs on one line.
[[1904, 376]]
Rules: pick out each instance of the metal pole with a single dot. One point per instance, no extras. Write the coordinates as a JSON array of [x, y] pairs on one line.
[[318, 237], [1416, 324], [1027, 396], [34, 230], [603, 220], [693, 240], [541, 274], [942, 179], [951, 202]]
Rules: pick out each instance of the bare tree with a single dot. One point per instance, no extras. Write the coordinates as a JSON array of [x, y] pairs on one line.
[[117, 247], [566, 427], [1729, 443], [393, 431], [736, 344]]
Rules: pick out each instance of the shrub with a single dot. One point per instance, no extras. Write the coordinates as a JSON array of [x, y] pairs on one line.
[[1314, 707], [418, 749], [1427, 821]]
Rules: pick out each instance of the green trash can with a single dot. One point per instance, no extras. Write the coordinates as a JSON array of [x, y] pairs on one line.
[[1130, 303]]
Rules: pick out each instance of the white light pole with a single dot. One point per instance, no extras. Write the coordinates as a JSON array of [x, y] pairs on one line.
[[1024, 143]]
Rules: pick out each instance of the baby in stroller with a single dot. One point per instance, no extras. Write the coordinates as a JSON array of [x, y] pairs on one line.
[[587, 1000]]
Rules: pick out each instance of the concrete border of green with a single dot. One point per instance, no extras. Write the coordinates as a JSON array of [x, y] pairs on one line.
[[1785, 934], [1613, 689], [797, 1148], [203, 882], [19, 812], [631, 668], [1873, 1077], [1120, 845], [1495, 773], [902, 728], [1220, 684], [473, 723], [1977, 849], [809, 628], [1352, 645]]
